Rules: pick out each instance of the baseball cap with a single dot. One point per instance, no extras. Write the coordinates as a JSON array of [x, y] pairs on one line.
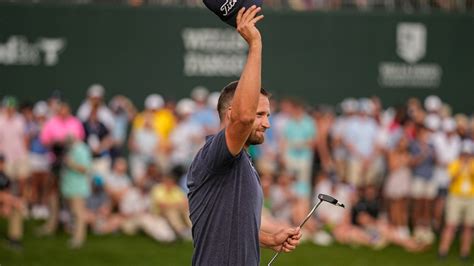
[[227, 10], [154, 101], [96, 90], [349, 105], [199, 93], [433, 103], [185, 106], [40, 108], [9, 101]]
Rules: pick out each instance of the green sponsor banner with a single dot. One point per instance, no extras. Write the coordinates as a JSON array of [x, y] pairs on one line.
[[321, 57]]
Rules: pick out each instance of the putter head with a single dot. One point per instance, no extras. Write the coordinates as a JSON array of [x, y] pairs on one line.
[[329, 199]]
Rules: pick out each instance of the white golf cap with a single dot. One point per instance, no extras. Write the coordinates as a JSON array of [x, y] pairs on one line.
[[449, 125], [96, 90], [432, 122], [199, 93], [154, 101], [366, 106], [40, 108], [433, 103], [185, 106], [349, 105], [213, 99]]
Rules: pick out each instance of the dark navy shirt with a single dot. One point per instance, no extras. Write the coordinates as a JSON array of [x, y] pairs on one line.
[[225, 201]]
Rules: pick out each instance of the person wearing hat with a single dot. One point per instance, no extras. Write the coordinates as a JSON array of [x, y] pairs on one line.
[[447, 144], [95, 99], [161, 120], [188, 136], [460, 203]]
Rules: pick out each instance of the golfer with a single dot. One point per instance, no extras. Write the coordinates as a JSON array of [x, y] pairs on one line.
[[225, 195]]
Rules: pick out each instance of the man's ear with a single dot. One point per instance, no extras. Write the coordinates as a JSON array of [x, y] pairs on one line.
[[227, 114]]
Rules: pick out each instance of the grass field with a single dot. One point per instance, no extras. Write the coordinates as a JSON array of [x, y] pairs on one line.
[[141, 250]]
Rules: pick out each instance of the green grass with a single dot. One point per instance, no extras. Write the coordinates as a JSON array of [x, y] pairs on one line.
[[141, 250]]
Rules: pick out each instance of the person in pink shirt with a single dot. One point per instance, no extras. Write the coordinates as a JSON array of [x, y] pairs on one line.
[[60, 126], [54, 135]]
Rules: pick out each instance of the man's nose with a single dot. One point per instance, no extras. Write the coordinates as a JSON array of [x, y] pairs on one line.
[[266, 123]]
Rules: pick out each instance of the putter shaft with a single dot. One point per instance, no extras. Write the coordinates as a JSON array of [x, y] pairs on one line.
[[301, 225]]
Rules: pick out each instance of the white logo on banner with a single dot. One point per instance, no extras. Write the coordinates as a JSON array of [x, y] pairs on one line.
[[18, 51], [213, 52], [411, 47], [411, 41]]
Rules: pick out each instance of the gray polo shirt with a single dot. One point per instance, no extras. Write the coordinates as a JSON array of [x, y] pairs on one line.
[[225, 201]]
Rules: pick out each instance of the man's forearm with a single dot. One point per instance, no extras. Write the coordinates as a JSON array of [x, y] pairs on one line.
[[266, 239], [246, 97]]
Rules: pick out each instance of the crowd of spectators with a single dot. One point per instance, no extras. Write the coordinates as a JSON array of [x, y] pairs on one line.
[[404, 173], [297, 5]]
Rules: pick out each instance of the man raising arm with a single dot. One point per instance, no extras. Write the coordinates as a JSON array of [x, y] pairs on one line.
[[225, 195]]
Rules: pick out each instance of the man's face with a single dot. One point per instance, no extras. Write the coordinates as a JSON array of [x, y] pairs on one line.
[[261, 123]]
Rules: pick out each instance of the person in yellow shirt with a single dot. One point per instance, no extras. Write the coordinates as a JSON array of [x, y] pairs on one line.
[[164, 120], [460, 203], [170, 202]]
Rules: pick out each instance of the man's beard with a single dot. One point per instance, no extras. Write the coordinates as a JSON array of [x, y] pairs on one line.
[[254, 139]]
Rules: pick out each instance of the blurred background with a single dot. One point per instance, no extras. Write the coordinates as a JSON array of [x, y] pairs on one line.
[[104, 103]]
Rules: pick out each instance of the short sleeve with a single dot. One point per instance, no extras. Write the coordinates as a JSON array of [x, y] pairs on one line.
[[218, 157]]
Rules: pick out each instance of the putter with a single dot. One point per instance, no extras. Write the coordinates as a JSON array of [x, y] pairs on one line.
[[321, 197]]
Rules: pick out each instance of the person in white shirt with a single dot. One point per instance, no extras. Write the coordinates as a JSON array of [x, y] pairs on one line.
[[188, 136], [447, 146], [95, 96]]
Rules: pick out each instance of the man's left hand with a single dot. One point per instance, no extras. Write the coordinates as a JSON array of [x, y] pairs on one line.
[[287, 239]]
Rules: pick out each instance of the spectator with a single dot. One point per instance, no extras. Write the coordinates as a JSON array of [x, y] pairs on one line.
[[460, 203], [360, 139], [366, 213], [424, 187], [170, 202], [39, 161], [188, 136], [13, 140], [340, 153], [162, 120], [124, 112], [95, 96], [10, 204], [283, 198], [205, 115], [117, 182], [144, 145], [299, 134], [99, 213], [100, 141], [13, 147], [397, 187], [447, 146], [54, 135], [75, 186]]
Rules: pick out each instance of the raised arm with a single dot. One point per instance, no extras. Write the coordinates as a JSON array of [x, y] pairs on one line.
[[244, 105]]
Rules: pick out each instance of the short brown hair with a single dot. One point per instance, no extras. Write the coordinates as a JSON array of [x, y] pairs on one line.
[[227, 94]]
